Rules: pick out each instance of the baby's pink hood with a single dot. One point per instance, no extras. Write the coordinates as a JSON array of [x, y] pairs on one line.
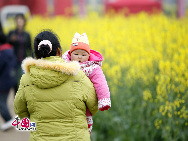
[[95, 56]]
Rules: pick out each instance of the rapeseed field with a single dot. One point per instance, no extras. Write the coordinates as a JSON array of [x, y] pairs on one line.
[[146, 67]]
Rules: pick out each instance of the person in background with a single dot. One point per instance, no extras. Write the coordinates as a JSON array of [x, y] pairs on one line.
[[21, 41], [90, 62], [54, 94], [7, 78]]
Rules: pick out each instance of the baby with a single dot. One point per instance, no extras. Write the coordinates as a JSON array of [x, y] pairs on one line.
[[90, 62]]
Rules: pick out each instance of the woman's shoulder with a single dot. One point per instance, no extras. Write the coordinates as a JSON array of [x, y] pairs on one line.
[[81, 77], [25, 80], [12, 31], [26, 33]]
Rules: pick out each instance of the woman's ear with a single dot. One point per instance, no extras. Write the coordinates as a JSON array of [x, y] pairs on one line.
[[59, 53]]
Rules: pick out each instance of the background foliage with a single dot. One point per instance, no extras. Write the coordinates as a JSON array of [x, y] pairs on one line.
[[146, 66]]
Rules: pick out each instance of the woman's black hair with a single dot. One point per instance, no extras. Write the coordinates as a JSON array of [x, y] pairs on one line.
[[44, 50]]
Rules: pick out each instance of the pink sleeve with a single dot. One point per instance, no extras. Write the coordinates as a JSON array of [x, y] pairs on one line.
[[101, 87]]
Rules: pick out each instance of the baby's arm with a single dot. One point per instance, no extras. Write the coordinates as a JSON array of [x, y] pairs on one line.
[[101, 88]]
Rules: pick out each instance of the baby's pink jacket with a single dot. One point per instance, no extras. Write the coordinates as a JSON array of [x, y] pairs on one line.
[[92, 69]]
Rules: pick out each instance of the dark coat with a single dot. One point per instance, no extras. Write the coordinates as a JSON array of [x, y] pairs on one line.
[[7, 67], [23, 44]]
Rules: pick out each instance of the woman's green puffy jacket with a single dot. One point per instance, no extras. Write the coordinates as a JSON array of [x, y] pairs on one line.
[[54, 95]]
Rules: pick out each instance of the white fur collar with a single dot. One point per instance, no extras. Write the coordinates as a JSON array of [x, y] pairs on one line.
[[71, 68]]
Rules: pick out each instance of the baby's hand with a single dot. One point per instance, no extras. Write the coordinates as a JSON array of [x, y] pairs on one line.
[[104, 108]]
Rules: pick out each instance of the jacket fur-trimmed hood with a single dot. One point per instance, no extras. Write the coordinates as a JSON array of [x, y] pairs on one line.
[[49, 72], [70, 68]]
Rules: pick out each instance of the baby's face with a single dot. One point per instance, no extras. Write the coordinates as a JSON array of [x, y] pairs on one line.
[[79, 55]]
